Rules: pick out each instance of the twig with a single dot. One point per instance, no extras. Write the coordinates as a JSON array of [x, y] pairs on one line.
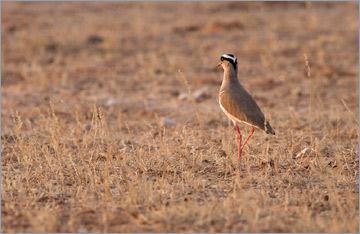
[[310, 99], [190, 95], [352, 113]]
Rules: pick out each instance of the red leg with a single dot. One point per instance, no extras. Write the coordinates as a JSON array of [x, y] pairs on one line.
[[239, 137], [252, 131]]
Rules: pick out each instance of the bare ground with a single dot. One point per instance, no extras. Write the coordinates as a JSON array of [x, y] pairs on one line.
[[85, 86]]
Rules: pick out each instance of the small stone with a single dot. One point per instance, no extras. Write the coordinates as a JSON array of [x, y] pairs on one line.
[[168, 122], [183, 96], [111, 102], [201, 95]]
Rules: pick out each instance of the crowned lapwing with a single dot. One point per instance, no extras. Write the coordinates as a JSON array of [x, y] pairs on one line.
[[237, 103]]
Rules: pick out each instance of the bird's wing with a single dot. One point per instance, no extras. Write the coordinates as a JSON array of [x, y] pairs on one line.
[[242, 107]]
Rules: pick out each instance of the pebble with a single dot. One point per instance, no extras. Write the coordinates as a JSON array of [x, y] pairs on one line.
[[199, 95], [183, 96], [168, 122], [111, 102]]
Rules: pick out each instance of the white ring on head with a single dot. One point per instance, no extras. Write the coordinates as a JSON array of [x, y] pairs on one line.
[[229, 57]]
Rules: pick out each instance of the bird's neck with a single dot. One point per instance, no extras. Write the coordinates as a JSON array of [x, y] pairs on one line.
[[230, 76]]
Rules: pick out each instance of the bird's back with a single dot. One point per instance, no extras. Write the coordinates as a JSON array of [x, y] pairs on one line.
[[241, 106]]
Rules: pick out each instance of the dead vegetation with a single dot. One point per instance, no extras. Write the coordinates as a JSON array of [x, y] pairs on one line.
[[85, 91]]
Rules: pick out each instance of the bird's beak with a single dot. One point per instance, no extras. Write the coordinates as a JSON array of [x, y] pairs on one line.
[[219, 64]]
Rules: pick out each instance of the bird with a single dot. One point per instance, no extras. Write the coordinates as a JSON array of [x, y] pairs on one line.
[[237, 104]]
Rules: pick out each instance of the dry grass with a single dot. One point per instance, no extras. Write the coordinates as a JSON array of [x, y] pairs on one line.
[[85, 85]]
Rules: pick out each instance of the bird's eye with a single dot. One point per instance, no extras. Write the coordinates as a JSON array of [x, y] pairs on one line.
[[222, 59]]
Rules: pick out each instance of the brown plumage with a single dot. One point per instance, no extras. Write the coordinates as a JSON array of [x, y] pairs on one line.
[[241, 107], [237, 103]]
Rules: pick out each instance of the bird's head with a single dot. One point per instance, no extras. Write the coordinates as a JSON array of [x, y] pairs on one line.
[[228, 61]]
